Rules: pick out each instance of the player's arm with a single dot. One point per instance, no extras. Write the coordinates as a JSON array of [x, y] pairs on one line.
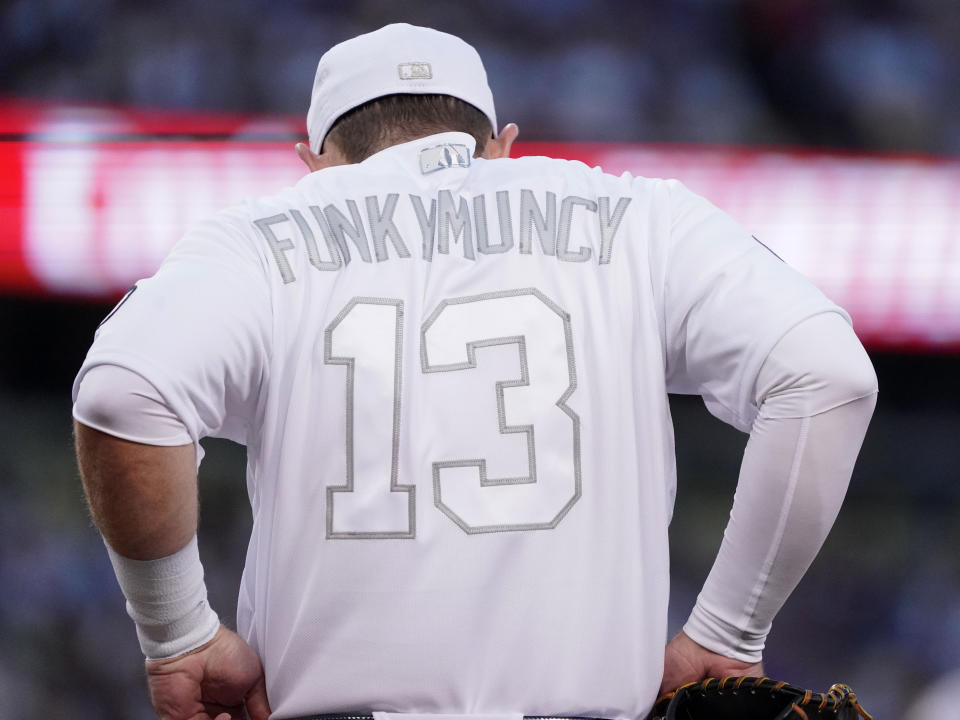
[[816, 394], [143, 498], [181, 359], [771, 356]]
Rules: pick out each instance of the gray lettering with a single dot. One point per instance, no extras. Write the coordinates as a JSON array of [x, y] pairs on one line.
[[480, 220], [343, 228], [338, 250], [506, 229], [610, 225], [448, 220], [313, 252], [277, 246], [428, 224], [456, 221], [531, 216], [563, 233], [506, 220], [382, 227]]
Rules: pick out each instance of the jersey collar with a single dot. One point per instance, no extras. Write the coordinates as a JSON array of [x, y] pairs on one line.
[[430, 154]]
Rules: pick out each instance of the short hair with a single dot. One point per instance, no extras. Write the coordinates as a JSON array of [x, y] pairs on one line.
[[393, 119]]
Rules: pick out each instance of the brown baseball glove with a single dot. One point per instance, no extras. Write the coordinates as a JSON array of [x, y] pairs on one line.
[[751, 698]]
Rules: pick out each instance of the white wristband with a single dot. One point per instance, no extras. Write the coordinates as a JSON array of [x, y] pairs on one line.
[[167, 599]]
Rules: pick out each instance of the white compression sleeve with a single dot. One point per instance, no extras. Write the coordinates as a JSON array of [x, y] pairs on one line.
[[817, 391], [122, 403]]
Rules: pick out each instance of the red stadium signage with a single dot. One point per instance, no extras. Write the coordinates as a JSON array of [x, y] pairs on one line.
[[89, 203]]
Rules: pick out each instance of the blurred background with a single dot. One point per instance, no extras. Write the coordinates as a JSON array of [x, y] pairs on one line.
[[830, 129]]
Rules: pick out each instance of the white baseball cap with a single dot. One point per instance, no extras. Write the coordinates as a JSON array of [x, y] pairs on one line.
[[396, 59]]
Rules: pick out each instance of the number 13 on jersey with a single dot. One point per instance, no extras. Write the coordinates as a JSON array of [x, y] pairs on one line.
[[368, 338]]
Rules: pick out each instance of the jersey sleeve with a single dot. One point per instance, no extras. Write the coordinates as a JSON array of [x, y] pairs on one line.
[[197, 330], [727, 300], [122, 403]]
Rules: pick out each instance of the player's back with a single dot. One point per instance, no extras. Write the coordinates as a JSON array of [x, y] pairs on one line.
[[462, 468], [451, 377]]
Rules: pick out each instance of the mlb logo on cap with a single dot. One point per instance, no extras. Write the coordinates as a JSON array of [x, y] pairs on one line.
[[415, 71]]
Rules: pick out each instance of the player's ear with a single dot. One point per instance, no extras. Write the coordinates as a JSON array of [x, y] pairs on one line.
[[500, 146], [313, 161]]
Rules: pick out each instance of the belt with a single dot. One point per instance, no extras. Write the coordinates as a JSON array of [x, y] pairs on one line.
[[369, 716]]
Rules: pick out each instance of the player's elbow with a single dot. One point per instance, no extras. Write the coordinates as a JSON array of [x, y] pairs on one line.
[[842, 366], [855, 378], [818, 365]]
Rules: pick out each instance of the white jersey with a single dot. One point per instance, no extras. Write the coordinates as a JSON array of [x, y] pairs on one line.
[[451, 375]]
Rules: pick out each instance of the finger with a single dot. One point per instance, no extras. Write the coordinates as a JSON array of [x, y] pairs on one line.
[[672, 682], [234, 713], [257, 705]]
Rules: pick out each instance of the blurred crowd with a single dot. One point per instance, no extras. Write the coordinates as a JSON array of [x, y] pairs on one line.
[[865, 74]]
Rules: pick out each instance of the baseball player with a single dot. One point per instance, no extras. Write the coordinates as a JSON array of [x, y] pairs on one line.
[[450, 370]]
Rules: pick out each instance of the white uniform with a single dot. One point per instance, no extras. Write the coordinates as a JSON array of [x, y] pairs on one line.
[[451, 376]]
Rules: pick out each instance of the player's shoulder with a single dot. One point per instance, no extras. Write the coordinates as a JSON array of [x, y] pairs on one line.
[[250, 208], [229, 235], [573, 174], [237, 224]]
